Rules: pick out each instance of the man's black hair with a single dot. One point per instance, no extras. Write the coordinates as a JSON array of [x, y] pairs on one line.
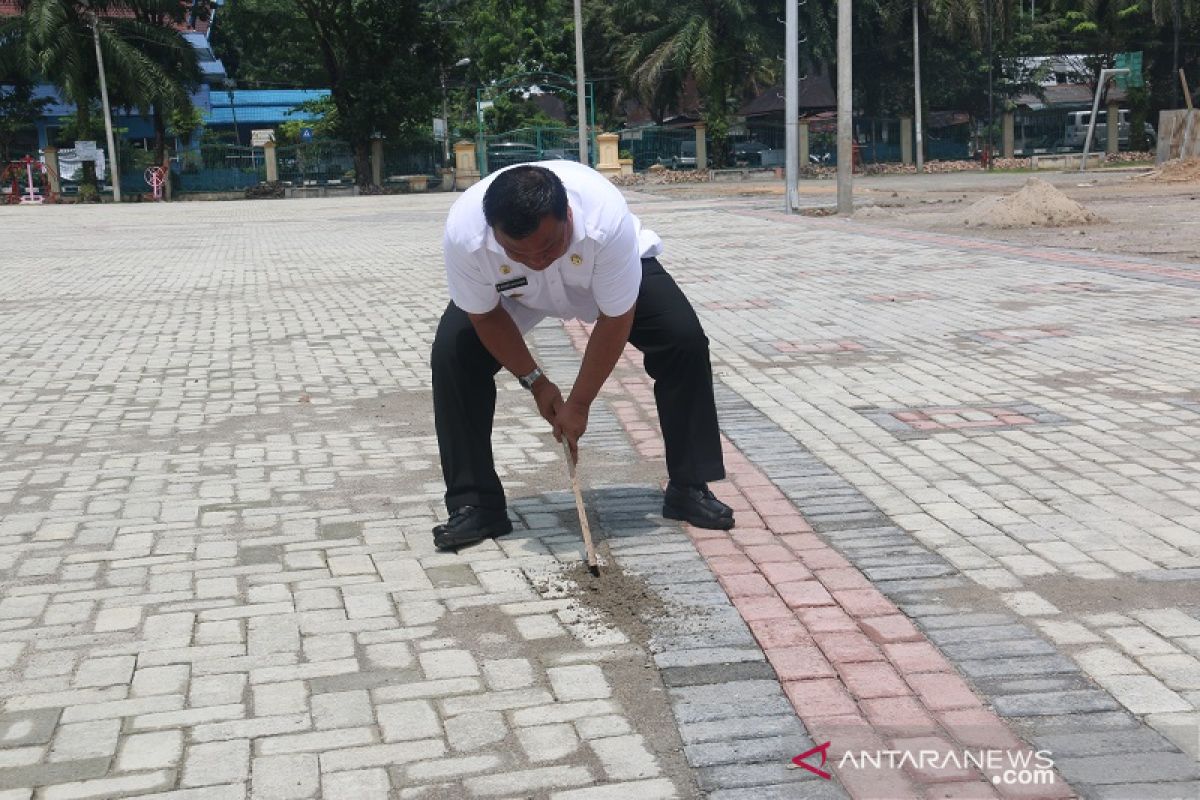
[[520, 197]]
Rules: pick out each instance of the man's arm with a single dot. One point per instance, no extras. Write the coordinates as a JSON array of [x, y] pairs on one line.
[[604, 348], [502, 338]]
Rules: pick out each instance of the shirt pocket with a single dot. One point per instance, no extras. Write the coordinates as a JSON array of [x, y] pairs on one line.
[[579, 263]]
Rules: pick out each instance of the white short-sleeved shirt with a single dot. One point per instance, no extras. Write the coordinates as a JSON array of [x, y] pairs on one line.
[[600, 273]]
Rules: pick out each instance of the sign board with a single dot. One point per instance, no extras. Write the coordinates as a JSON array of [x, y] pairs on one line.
[[306, 134], [86, 151], [439, 129], [260, 136], [1133, 63]]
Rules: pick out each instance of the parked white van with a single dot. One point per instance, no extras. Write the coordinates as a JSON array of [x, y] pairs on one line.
[[1077, 126]]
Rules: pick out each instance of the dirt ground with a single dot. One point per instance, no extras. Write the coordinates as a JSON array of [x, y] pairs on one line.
[[1140, 216]]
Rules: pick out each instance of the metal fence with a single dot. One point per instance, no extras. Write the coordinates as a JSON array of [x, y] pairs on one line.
[[498, 150], [219, 168], [762, 144], [316, 163], [669, 147], [411, 158]]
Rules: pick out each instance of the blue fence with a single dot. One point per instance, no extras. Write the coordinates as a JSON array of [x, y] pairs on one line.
[[219, 168]]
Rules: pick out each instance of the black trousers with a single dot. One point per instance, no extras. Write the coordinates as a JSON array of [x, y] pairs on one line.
[[675, 349]]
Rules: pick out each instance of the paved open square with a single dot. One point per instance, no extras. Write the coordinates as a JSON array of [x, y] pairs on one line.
[[966, 476]]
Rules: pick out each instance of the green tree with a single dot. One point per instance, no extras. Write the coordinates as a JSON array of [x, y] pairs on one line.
[[176, 58], [380, 59], [267, 43], [726, 46], [19, 112], [140, 55]]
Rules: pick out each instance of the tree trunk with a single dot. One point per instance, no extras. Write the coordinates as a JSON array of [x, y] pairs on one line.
[[362, 163], [1177, 18], [89, 188], [160, 136]]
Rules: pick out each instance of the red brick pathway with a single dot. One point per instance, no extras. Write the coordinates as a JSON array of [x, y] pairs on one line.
[[857, 671]]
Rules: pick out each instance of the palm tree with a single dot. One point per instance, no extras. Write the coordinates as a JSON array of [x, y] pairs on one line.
[[178, 60], [721, 44], [1180, 10], [143, 58]]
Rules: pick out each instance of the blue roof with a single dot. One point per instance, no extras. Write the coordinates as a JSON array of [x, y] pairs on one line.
[[260, 105], [244, 98]]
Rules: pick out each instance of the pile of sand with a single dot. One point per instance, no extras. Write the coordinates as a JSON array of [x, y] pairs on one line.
[[1037, 204], [1177, 170]]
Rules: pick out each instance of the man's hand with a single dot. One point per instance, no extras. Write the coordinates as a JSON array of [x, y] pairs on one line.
[[571, 423], [548, 398]]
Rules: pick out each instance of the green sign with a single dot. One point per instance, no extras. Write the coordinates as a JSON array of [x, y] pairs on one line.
[[1133, 63]]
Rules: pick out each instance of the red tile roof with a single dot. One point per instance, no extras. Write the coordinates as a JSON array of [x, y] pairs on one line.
[[10, 8]]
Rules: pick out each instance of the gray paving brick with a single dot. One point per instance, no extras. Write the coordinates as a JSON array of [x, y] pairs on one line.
[[735, 728], [1092, 770], [1053, 703]]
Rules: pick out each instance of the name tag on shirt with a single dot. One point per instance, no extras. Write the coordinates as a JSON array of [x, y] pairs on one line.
[[515, 283]]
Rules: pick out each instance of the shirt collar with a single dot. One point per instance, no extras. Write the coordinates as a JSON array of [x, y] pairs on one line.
[[578, 231]]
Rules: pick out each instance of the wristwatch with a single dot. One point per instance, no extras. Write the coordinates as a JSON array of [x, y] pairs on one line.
[[528, 380]]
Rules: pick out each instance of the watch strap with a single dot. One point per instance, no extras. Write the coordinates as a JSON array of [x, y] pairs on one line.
[[529, 380]]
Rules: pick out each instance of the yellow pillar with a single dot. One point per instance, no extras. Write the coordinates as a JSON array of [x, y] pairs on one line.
[[609, 163], [803, 145], [52, 170], [272, 162], [906, 140], [701, 146], [466, 173], [1010, 134]]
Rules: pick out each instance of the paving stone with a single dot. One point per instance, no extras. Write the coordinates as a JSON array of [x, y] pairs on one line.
[[1143, 694], [28, 727], [138, 783], [548, 742], [1092, 770], [601, 727], [354, 784], [340, 709], [148, 524], [446, 769], [1117, 742], [654, 789], [415, 719], [529, 780], [473, 730], [215, 763], [1054, 703], [355, 758], [285, 777], [85, 740], [580, 682]]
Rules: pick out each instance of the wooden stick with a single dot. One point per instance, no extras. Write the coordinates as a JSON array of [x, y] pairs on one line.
[[1187, 93], [592, 563]]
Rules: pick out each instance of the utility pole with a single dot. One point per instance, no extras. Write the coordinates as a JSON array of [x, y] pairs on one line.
[[445, 122], [845, 111], [991, 152], [462, 62], [917, 91], [791, 105], [580, 97], [114, 166]]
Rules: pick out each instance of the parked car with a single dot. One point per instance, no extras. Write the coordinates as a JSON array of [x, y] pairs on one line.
[[1077, 127], [560, 154], [748, 153], [685, 158], [505, 154]]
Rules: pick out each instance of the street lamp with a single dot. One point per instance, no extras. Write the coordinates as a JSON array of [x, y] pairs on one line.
[[462, 62]]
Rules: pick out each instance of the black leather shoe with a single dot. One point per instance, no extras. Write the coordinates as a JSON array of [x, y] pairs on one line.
[[470, 524], [698, 506]]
